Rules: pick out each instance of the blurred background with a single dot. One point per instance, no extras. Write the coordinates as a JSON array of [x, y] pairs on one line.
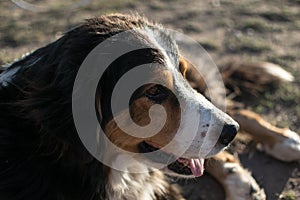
[[246, 30]]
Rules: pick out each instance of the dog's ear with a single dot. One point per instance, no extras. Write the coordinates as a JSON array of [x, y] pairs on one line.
[[183, 65], [192, 75]]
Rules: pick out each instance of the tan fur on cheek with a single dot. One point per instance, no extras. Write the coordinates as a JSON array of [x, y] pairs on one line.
[[120, 138], [139, 114], [139, 111], [171, 126]]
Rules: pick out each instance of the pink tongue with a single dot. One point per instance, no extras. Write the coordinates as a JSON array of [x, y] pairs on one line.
[[197, 167]]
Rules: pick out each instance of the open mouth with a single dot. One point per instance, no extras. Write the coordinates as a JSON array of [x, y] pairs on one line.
[[183, 166]]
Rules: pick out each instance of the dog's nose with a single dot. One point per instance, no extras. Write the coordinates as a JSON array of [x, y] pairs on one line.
[[228, 133]]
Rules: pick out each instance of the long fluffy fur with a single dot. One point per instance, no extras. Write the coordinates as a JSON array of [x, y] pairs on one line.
[[41, 155]]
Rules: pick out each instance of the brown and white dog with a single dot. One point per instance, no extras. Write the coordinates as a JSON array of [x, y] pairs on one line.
[[42, 156]]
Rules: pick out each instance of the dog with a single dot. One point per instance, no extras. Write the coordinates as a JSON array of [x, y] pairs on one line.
[[43, 157]]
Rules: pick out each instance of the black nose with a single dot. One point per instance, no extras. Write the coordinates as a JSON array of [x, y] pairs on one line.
[[229, 131]]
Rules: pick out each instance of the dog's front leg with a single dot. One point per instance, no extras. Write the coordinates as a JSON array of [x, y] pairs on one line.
[[281, 143], [236, 181]]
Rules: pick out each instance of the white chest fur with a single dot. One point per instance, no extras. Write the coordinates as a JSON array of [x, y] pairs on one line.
[[125, 185]]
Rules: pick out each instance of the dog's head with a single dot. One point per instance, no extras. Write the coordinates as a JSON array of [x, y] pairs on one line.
[[165, 120], [192, 129]]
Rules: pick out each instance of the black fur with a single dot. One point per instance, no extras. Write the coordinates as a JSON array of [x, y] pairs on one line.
[[41, 155]]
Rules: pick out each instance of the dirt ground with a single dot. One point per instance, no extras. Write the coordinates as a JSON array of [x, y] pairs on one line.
[[248, 30]]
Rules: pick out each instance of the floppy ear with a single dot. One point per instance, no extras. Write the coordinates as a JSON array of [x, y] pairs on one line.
[[191, 74]]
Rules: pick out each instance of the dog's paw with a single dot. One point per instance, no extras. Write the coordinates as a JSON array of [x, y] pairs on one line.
[[240, 185], [285, 148]]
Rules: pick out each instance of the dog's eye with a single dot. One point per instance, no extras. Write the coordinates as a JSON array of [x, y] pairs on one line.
[[156, 93]]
